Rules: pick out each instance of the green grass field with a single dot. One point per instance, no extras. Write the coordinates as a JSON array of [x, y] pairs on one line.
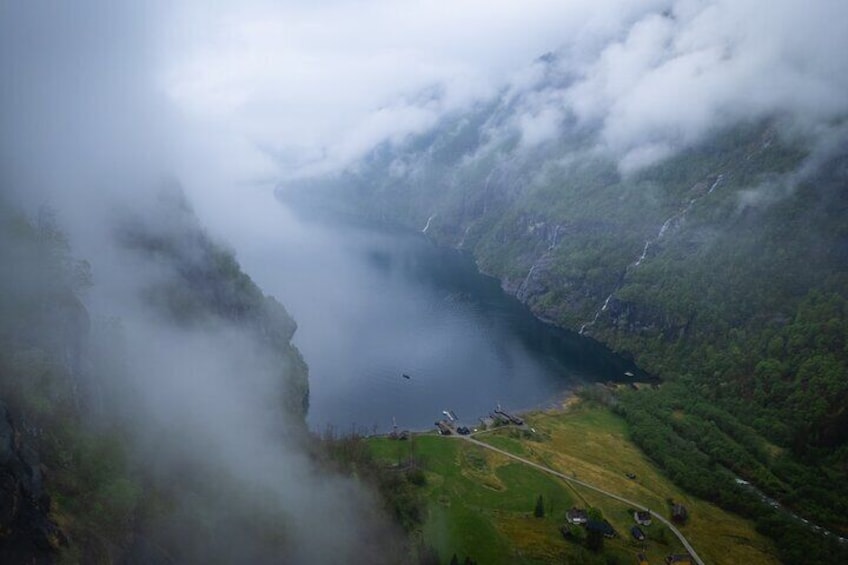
[[481, 503], [591, 443]]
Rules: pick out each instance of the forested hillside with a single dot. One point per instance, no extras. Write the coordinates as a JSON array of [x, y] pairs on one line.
[[208, 287], [80, 480], [722, 269]]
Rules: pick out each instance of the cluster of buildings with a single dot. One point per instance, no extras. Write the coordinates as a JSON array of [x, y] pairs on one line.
[[642, 518]]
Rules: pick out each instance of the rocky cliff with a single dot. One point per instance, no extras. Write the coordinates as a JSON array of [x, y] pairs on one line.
[[206, 284], [28, 534]]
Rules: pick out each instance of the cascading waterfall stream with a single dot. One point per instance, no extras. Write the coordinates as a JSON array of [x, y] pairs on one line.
[[597, 314], [554, 240], [643, 255], [427, 225], [464, 236], [715, 184], [523, 285], [675, 218]]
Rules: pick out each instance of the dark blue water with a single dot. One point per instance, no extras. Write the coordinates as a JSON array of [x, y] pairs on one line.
[[373, 304]]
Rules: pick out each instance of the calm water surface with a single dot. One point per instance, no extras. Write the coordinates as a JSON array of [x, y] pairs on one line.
[[373, 304]]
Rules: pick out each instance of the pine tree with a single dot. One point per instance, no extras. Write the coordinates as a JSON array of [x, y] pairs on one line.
[[539, 512]]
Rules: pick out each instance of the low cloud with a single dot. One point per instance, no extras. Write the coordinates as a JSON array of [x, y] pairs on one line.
[[259, 91], [88, 130], [320, 86], [698, 66]]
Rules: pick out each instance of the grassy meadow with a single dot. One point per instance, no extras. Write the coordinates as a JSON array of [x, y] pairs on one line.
[[481, 504]]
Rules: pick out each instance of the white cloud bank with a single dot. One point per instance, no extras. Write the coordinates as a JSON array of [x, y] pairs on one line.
[[325, 82], [700, 65], [319, 84], [234, 96]]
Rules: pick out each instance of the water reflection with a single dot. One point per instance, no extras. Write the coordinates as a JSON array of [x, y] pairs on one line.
[[375, 304]]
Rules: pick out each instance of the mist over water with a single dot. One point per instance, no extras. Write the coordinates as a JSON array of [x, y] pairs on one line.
[[373, 304]]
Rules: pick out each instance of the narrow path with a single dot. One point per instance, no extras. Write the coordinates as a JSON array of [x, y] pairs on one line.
[[659, 517]]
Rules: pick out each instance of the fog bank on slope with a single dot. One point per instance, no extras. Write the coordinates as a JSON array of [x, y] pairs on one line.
[[184, 351]]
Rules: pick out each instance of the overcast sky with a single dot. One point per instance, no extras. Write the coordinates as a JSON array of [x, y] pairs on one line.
[[229, 95], [323, 82], [328, 80]]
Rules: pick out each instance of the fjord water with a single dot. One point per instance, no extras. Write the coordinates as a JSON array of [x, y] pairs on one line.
[[374, 304]]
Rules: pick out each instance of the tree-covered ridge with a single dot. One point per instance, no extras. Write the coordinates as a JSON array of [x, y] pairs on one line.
[[754, 325], [74, 485], [705, 449], [207, 284], [66, 474], [766, 282]]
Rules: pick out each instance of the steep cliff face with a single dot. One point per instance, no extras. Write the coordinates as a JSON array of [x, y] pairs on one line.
[[75, 483], [205, 285], [43, 326], [27, 532]]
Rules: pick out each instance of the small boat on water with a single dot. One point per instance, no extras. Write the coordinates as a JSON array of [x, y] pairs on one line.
[[629, 374], [406, 376]]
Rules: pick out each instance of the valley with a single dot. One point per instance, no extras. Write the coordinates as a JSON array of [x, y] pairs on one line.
[[481, 504], [254, 252]]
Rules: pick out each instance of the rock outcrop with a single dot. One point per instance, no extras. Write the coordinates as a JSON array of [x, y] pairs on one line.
[[27, 534]]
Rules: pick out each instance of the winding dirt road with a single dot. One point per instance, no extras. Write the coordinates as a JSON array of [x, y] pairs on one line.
[[659, 517]]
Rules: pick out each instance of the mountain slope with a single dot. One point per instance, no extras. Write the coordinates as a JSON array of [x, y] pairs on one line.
[[721, 268], [77, 483]]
